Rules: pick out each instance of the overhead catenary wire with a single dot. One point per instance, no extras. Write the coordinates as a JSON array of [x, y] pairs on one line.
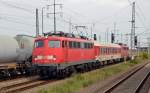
[[16, 7], [14, 21]]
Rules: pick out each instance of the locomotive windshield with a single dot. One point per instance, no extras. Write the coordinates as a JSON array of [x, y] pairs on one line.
[[54, 44], [39, 44]]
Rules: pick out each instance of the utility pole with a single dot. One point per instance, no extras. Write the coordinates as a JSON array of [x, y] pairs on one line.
[[37, 23], [121, 38], [133, 28], [70, 26], [115, 31], [107, 32], [54, 17], [92, 29], [138, 47], [43, 20], [114, 27], [54, 13], [99, 39]]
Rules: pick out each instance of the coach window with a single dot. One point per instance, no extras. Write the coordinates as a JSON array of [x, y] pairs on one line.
[[105, 50], [112, 50], [85, 46], [54, 44], [74, 45], [101, 50], [78, 44], [90, 46], [82, 45]]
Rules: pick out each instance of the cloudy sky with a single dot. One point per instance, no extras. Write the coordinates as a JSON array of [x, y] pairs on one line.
[[18, 17]]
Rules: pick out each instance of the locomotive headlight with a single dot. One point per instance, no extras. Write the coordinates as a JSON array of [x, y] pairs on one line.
[[40, 57], [50, 57]]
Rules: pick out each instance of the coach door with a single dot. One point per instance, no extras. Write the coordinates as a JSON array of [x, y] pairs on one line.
[[65, 50]]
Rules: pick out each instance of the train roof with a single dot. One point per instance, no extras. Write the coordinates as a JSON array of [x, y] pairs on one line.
[[106, 45], [63, 38]]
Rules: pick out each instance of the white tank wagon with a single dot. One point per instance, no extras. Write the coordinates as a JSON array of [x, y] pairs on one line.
[[15, 55], [26, 44], [8, 49]]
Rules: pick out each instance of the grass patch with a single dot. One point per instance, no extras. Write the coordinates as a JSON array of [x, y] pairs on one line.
[[79, 81], [144, 55]]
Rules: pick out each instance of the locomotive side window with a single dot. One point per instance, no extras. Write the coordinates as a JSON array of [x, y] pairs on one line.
[[39, 44], [70, 44], [66, 44], [54, 44], [63, 44], [79, 45], [82, 45]]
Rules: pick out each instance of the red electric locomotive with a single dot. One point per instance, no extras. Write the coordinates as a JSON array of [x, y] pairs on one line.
[[57, 52], [60, 54]]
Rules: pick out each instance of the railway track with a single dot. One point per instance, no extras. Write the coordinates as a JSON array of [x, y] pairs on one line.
[[135, 82], [17, 88], [144, 85], [14, 78]]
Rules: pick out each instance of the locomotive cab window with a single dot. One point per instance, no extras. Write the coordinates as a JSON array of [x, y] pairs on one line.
[[39, 44], [54, 44]]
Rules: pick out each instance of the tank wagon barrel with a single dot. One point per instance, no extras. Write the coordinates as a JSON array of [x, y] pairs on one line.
[[26, 44], [8, 49], [15, 54]]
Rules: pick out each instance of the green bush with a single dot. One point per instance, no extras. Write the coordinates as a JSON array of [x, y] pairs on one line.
[[144, 55]]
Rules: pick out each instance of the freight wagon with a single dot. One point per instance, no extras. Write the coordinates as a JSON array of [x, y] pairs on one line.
[[15, 54]]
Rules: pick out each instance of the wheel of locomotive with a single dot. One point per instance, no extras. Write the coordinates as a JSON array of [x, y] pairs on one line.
[[60, 74], [73, 70], [3, 74], [68, 72], [86, 67], [43, 74], [90, 66], [98, 65], [22, 71], [6, 73], [28, 71], [13, 72], [82, 69]]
